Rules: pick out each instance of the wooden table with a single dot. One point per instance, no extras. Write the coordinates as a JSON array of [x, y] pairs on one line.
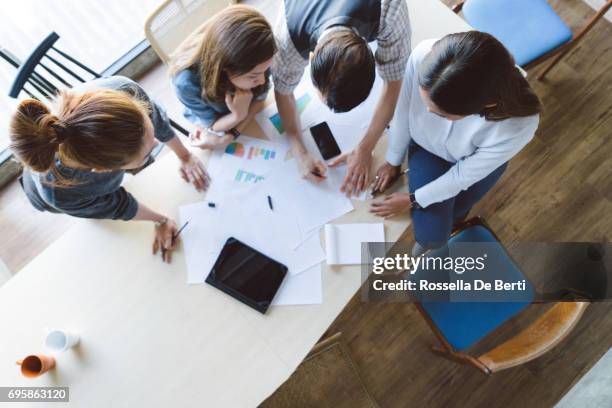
[[147, 338]]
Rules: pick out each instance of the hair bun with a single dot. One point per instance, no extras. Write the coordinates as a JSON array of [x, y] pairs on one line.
[[51, 126], [36, 134]]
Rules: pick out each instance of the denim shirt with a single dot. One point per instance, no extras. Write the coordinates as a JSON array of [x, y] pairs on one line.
[[188, 90], [93, 194], [200, 112]]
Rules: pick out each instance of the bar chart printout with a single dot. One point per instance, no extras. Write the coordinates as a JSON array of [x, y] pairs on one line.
[[243, 176]]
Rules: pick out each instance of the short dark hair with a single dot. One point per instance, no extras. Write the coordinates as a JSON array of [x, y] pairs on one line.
[[464, 72], [343, 70]]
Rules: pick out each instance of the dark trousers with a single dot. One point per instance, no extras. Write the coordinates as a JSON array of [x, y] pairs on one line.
[[433, 225]]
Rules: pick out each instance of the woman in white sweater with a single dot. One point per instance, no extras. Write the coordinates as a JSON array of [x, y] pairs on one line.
[[465, 109]]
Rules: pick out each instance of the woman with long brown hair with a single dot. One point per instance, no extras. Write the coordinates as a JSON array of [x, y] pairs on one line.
[[464, 111], [221, 71], [77, 153]]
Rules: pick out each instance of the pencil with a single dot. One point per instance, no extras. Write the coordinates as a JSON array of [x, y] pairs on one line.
[[175, 236]]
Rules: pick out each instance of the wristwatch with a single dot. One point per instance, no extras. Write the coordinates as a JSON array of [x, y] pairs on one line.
[[413, 202], [234, 133], [161, 222]]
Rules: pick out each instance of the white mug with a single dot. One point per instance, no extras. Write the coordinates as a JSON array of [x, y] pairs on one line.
[[60, 340]]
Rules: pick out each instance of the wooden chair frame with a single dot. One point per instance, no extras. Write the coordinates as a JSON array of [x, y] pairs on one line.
[[563, 49], [533, 341], [41, 87], [152, 38]]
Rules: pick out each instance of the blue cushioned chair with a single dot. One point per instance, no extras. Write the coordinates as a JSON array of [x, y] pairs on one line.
[[459, 325], [530, 29]]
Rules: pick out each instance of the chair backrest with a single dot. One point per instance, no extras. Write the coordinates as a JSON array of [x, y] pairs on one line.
[[47, 70], [174, 20], [541, 336]]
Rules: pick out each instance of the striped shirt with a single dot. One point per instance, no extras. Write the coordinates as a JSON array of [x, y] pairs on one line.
[[393, 47]]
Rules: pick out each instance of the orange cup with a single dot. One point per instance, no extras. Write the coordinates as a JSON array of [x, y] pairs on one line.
[[35, 365]]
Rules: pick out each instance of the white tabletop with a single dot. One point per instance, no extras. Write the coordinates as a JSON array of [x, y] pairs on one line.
[[147, 338]]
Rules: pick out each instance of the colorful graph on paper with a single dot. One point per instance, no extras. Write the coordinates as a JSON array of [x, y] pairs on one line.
[[244, 176], [237, 149], [301, 104]]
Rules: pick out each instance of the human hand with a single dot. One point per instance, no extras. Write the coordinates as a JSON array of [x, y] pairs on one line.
[[205, 140], [391, 205], [239, 102], [358, 163], [164, 240], [192, 171], [311, 168], [385, 177]]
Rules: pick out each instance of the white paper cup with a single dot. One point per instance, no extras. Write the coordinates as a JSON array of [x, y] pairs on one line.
[[60, 340]]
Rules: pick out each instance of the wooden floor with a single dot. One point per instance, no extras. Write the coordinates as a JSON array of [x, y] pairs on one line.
[[559, 188]]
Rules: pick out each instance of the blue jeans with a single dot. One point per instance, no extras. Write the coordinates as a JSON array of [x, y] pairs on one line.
[[433, 225]]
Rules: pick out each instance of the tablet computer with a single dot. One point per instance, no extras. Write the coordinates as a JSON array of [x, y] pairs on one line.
[[247, 275]]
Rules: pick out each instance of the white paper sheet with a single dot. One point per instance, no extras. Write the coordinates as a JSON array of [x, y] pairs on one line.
[[343, 241], [245, 215], [202, 242], [244, 162], [313, 204], [335, 175], [302, 289]]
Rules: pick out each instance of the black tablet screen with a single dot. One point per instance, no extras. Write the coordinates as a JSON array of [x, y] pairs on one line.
[[246, 274]]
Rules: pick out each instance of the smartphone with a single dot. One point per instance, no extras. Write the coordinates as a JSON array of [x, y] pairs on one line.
[[325, 141]]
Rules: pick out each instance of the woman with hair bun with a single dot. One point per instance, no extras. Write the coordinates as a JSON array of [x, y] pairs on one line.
[[76, 154], [464, 111]]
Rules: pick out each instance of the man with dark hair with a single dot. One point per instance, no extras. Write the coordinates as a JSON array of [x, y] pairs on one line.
[[335, 34]]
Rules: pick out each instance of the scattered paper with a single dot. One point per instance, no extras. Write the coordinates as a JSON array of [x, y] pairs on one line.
[[313, 204], [202, 243], [302, 289], [246, 216], [243, 163], [343, 242]]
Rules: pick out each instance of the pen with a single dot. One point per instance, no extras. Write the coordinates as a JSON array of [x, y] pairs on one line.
[[375, 191], [316, 173], [270, 203], [174, 236]]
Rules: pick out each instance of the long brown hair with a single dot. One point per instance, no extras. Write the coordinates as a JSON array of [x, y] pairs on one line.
[[98, 129], [465, 72], [233, 42]]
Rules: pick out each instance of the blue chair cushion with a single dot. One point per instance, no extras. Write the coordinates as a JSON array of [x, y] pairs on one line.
[[528, 28], [463, 323]]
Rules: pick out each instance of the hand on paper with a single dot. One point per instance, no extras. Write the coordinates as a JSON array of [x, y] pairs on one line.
[[391, 205], [359, 162], [192, 171], [239, 102], [164, 240], [204, 140], [385, 177], [311, 168]]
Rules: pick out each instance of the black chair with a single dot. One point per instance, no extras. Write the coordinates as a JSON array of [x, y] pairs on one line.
[[47, 70]]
